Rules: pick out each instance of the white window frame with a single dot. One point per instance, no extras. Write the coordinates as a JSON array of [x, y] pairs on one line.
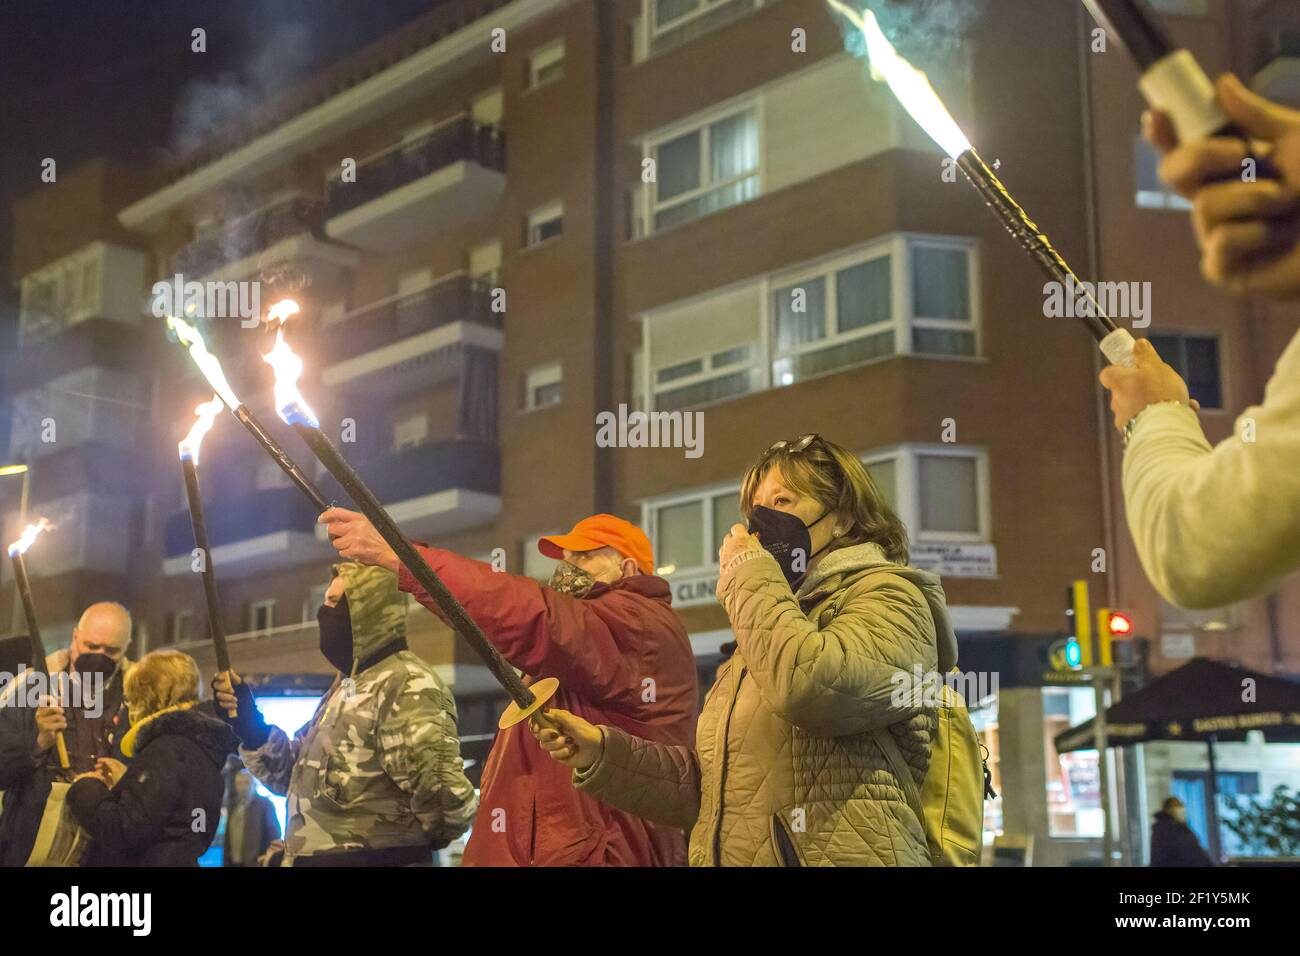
[[267, 604], [907, 473], [542, 59], [540, 376], [655, 29], [913, 321], [704, 496], [313, 601], [540, 216], [891, 248], [176, 635], [906, 486], [898, 246], [700, 122], [409, 420]]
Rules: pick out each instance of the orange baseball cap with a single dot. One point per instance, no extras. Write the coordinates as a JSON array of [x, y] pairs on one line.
[[600, 531]]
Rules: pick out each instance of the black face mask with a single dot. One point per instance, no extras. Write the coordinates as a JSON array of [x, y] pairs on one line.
[[336, 635], [786, 538], [95, 663]]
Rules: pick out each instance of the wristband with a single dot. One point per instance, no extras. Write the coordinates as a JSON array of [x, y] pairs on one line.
[[1131, 425]]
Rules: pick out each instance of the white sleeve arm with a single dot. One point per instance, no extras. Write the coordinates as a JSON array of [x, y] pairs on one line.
[[1218, 525]]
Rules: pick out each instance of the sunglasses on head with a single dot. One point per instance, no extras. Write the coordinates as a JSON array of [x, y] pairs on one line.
[[799, 444]]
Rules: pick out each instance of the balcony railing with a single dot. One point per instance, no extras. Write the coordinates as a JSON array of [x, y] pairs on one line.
[[458, 141], [457, 299], [247, 236], [242, 519]]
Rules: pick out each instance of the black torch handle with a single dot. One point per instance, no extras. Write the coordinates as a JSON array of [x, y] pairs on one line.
[[1031, 238], [29, 611], [424, 575], [38, 646], [216, 626], [287, 464]]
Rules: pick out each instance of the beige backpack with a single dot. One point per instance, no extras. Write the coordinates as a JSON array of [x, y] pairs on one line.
[[950, 802]]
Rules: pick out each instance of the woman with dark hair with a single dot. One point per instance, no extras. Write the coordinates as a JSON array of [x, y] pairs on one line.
[[792, 764]]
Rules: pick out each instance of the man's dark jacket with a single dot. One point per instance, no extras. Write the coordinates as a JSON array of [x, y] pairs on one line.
[[260, 828], [1175, 844], [25, 776]]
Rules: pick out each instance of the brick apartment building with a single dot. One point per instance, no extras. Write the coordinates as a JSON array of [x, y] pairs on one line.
[[620, 208]]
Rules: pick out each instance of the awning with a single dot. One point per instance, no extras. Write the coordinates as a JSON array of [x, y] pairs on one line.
[[1201, 701]]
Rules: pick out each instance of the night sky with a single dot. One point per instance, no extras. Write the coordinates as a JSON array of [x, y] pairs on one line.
[[85, 77]]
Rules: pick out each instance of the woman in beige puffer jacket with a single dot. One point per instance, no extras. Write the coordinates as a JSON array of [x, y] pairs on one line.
[[787, 770]]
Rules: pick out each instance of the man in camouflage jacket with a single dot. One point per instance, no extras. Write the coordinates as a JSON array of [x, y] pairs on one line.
[[375, 778]]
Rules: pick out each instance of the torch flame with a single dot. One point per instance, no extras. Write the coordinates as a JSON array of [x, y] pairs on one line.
[[207, 412], [28, 536], [189, 337], [289, 402], [909, 84], [282, 310]]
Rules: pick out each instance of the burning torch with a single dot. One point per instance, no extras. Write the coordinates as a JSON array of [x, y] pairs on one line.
[[189, 450], [189, 337], [918, 97], [525, 700], [16, 552]]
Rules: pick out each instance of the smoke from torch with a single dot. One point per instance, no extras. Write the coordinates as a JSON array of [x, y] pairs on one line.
[[918, 97]]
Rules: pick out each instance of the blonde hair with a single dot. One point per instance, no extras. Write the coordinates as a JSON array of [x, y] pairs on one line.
[[159, 680], [825, 472]]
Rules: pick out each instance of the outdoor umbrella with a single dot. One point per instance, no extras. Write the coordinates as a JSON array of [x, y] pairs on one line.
[[1204, 700]]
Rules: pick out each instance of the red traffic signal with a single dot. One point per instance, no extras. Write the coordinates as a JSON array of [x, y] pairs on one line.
[[1119, 624]]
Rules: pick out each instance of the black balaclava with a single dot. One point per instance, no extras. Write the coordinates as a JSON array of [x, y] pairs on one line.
[[336, 635]]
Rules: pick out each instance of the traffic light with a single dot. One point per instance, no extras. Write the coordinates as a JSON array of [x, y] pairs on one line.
[[1111, 625], [1078, 650]]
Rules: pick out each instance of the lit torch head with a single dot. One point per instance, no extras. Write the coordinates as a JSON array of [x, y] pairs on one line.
[[207, 413], [281, 311], [189, 337], [289, 402], [28, 536], [909, 85]]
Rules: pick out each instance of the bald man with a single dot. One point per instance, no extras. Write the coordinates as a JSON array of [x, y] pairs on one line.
[[92, 724]]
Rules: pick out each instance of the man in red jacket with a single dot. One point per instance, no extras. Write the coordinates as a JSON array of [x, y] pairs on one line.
[[605, 628]]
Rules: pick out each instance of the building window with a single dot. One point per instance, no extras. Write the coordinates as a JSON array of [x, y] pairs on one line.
[[544, 223], [261, 615], [268, 476], [1073, 779], [687, 531], [674, 22], [546, 65], [1182, 8], [711, 167], [903, 294], [410, 430], [1196, 359], [312, 602], [179, 627], [543, 386], [1152, 193], [940, 492], [535, 564]]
